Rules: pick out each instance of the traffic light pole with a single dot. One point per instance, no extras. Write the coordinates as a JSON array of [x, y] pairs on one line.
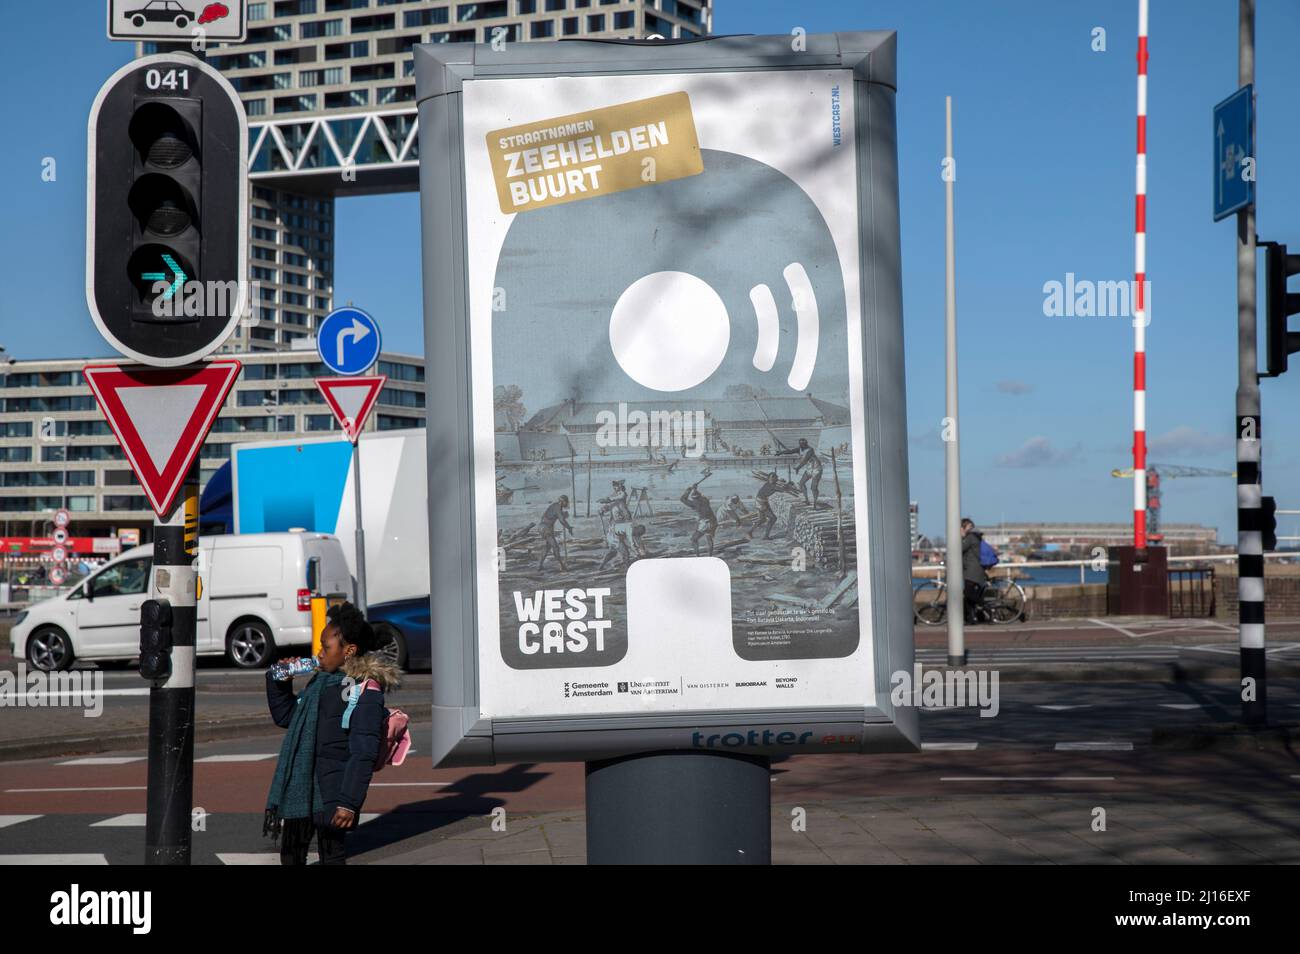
[[1250, 544], [167, 142], [186, 48], [171, 701]]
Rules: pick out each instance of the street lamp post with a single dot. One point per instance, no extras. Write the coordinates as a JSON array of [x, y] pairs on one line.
[[273, 408], [6, 361]]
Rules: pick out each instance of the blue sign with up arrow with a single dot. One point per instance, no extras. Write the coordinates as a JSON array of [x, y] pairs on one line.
[[1234, 141], [348, 341]]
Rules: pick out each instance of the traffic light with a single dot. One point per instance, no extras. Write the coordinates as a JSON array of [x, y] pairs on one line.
[[155, 639], [166, 210], [1279, 305], [1268, 523]]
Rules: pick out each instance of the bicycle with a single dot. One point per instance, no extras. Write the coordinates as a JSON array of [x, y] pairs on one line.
[[1003, 601]]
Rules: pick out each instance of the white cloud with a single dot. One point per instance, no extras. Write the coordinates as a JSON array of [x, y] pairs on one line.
[[1188, 441], [926, 440], [1037, 452]]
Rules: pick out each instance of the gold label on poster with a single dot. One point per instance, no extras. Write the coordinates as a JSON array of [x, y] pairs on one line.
[[595, 152]]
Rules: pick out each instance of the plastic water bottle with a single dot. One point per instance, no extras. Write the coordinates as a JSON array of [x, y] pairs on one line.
[[294, 667]]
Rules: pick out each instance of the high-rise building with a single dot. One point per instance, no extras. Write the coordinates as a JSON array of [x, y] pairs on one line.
[[329, 87], [56, 449]]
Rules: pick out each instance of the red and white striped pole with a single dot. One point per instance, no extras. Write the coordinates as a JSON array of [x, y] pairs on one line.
[[1139, 297]]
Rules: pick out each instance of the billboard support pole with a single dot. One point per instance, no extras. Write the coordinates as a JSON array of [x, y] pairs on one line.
[[170, 793], [680, 807]]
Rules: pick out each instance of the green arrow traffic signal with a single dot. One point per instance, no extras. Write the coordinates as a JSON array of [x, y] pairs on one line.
[[177, 271]]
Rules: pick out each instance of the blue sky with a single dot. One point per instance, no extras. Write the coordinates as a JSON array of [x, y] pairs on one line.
[[1044, 137]]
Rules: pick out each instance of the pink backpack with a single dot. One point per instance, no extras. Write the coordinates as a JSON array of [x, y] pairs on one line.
[[395, 737]]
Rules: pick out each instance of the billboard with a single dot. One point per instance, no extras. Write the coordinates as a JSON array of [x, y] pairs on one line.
[[669, 440]]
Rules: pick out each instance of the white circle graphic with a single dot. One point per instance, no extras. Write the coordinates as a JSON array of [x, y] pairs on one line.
[[669, 331]]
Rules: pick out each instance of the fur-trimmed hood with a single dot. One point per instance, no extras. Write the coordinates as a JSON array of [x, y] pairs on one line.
[[372, 666]]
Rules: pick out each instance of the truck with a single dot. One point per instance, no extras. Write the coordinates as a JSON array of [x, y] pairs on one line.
[[306, 484]]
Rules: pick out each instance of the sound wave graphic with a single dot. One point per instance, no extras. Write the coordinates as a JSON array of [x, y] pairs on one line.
[[804, 302]]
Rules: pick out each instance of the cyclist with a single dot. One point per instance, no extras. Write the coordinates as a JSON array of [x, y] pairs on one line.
[[973, 573]]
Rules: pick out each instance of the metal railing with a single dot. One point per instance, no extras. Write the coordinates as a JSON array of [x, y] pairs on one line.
[[1191, 592], [1084, 565]]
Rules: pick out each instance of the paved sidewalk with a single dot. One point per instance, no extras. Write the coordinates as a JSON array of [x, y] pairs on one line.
[[1011, 829]]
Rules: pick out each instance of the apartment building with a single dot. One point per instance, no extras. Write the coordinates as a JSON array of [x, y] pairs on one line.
[[349, 61], [56, 450]]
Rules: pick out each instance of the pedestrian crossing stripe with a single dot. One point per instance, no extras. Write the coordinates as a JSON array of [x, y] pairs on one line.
[[1063, 708], [54, 859], [7, 820], [248, 858], [130, 820]]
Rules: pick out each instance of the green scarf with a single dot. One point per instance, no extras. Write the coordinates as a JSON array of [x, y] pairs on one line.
[[293, 789]]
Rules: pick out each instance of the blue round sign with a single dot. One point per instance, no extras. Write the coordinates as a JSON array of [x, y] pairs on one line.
[[348, 341]]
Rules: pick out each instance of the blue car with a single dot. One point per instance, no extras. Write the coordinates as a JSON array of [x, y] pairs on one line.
[[406, 623]]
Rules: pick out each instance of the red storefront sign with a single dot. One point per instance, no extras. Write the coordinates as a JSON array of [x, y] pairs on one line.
[[84, 545]]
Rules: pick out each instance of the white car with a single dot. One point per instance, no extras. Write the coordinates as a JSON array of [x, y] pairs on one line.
[[255, 598]]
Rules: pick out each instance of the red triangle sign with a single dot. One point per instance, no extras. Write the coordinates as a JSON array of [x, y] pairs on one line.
[[160, 416], [351, 399]]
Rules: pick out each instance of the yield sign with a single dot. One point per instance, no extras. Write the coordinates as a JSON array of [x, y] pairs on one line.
[[160, 416], [351, 399]]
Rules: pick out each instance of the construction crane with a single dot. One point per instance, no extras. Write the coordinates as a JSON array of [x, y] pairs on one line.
[[1154, 473]]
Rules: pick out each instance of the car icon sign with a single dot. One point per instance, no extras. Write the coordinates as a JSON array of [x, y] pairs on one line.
[[160, 11]]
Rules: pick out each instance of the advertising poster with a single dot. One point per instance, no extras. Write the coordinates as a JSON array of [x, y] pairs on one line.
[[666, 351]]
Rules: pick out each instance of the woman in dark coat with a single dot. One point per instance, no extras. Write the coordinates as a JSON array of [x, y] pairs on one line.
[[973, 573], [324, 768]]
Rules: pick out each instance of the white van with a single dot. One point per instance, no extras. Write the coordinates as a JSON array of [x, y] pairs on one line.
[[255, 598]]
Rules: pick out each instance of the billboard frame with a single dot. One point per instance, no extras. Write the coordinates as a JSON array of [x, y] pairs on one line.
[[462, 736]]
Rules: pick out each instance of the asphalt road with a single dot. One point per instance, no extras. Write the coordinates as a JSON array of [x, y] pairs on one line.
[[226, 697], [1060, 740], [231, 703], [1151, 649]]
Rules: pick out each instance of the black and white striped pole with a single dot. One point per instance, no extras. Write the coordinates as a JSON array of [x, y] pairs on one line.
[[168, 629], [167, 192], [1250, 542]]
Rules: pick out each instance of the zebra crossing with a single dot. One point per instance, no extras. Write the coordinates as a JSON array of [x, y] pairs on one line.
[[232, 832]]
